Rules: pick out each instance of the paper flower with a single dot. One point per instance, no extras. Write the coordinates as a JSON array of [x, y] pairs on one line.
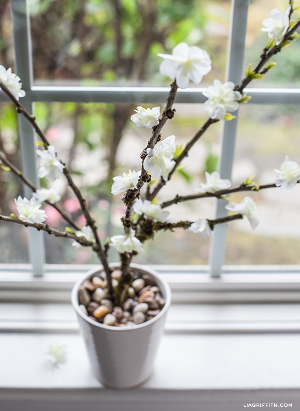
[[150, 210], [288, 175], [56, 353], [201, 226], [146, 117], [126, 243], [276, 26], [30, 210], [12, 82], [221, 98], [50, 166], [248, 208], [46, 194], [157, 160], [85, 232], [213, 183], [185, 64], [125, 182]]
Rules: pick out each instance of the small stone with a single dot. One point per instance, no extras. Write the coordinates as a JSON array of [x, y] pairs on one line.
[[148, 279], [98, 282], [138, 284], [153, 312], [146, 294], [139, 317], [155, 289], [107, 304], [116, 274], [145, 289], [153, 304], [100, 312], [114, 282], [149, 317], [126, 315], [83, 296], [118, 313], [127, 305], [88, 285], [83, 309], [130, 324], [92, 318], [109, 319], [123, 321], [98, 295], [91, 307], [161, 301], [120, 325], [131, 292], [143, 308]]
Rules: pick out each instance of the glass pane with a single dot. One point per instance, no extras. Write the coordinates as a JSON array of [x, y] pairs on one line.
[[101, 42], [266, 135], [83, 135], [286, 72], [13, 237], [6, 37]]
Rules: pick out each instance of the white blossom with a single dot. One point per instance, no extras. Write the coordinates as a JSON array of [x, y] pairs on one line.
[[277, 24], [30, 210], [46, 194], [157, 161], [201, 226], [288, 175], [85, 232], [248, 208], [56, 353], [185, 64], [213, 183], [169, 166], [146, 117], [150, 210], [221, 98], [126, 181], [12, 82], [126, 243], [50, 166]]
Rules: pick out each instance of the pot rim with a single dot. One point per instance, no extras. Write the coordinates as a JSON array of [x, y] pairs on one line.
[[167, 296]]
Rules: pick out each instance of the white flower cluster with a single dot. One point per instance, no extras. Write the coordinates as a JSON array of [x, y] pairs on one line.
[[248, 208], [126, 243], [158, 160], [85, 232], [150, 210], [201, 226], [30, 210], [46, 194], [276, 26], [213, 183], [146, 117], [12, 82], [125, 182], [288, 175], [50, 166]]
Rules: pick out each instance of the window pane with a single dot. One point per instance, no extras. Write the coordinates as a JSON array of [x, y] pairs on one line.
[[286, 72], [13, 237], [266, 135], [101, 42], [82, 135]]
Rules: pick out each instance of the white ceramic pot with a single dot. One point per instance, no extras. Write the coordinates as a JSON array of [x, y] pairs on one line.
[[122, 357]]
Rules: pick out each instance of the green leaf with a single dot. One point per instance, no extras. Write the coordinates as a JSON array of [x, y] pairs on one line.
[[270, 44], [249, 180], [228, 117], [292, 23], [182, 167], [152, 182], [154, 201], [178, 151], [224, 197], [270, 65], [134, 218], [69, 230], [40, 143], [294, 36], [284, 44], [251, 74], [186, 176], [5, 168], [256, 188], [245, 98]]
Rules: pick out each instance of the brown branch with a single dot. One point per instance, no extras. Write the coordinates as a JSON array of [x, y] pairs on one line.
[[217, 194], [16, 171]]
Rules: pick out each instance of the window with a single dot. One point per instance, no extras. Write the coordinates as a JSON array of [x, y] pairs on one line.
[[62, 80]]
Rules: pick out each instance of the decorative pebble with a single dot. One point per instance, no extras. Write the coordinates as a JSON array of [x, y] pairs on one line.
[[92, 318], [131, 292], [107, 304], [126, 315], [118, 313], [138, 284], [116, 274], [146, 294], [148, 279], [155, 289], [109, 319], [150, 317], [123, 321], [91, 307], [161, 301], [153, 312], [114, 282], [139, 317], [83, 309], [98, 282], [145, 289], [98, 295], [130, 324], [100, 312], [83, 296], [143, 308], [127, 305], [89, 285], [153, 304]]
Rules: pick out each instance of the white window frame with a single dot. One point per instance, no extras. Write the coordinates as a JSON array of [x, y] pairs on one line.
[[23, 58]]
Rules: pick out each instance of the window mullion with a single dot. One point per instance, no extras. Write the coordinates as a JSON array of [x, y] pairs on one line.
[[22, 43], [234, 73]]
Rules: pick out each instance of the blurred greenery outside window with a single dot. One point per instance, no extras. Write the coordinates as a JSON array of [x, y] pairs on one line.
[[115, 43]]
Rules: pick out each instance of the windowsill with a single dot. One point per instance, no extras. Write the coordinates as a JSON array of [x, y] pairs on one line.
[[213, 356]]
